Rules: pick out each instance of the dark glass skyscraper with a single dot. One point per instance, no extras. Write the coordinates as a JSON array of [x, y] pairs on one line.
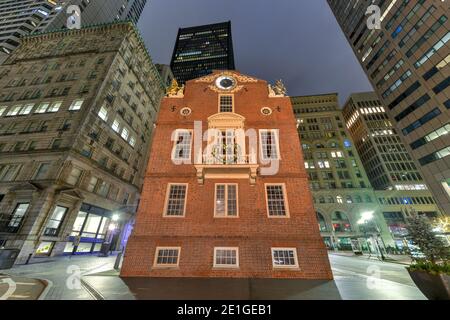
[[202, 49]]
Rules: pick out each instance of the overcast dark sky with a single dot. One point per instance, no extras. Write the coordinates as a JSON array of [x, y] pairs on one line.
[[298, 41]]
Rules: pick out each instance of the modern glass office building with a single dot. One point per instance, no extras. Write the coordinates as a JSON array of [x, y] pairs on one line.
[[200, 50], [407, 63]]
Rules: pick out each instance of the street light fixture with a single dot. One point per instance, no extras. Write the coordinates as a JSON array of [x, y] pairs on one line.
[[365, 218]]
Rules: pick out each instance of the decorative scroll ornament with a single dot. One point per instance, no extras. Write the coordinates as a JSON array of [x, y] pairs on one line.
[[277, 90], [175, 91], [240, 78]]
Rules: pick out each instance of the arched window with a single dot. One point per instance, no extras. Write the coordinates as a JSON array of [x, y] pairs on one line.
[[321, 221], [340, 222], [339, 199], [321, 199]]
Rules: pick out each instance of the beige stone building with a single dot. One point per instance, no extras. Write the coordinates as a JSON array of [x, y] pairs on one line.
[[77, 109], [341, 189], [398, 183]]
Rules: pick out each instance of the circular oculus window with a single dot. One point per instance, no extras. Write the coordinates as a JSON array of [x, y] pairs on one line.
[[185, 112], [225, 83], [266, 111]]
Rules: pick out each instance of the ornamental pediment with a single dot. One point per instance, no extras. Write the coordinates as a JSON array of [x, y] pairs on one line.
[[226, 120]]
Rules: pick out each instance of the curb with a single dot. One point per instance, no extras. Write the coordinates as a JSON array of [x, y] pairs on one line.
[[370, 258], [48, 285]]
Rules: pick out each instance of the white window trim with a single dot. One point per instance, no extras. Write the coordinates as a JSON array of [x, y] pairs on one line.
[[232, 102], [226, 216], [286, 202], [226, 266], [166, 203], [277, 141], [174, 148], [155, 261], [296, 266]]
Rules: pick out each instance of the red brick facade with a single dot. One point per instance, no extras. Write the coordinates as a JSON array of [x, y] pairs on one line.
[[198, 232]]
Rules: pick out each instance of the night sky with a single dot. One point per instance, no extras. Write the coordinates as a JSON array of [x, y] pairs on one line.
[[298, 41]]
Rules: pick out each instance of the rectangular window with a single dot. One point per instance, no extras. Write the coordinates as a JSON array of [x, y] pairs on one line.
[[125, 134], [92, 183], [74, 176], [76, 105], [269, 144], [133, 142], [9, 172], [116, 126], [2, 110], [55, 107], [176, 200], [103, 114], [26, 109], [182, 147], [226, 204], [167, 257], [42, 172], [14, 111], [17, 217], [276, 202], [42, 108], [53, 224], [284, 258], [226, 103], [226, 257]]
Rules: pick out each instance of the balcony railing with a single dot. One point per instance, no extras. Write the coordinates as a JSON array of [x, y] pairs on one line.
[[227, 167]]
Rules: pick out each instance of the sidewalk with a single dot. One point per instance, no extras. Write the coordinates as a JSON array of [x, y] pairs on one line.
[[400, 259]]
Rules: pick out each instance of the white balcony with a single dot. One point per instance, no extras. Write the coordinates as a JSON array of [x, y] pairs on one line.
[[227, 167]]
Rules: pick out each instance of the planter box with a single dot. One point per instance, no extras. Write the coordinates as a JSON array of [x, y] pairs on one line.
[[434, 287]]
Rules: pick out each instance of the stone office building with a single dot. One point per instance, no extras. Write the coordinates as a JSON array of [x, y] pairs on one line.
[[341, 189], [76, 115], [226, 194]]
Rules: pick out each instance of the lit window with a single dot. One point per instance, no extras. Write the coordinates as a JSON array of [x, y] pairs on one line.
[[226, 257], [284, 258], [125, 134], [167, 257], [339, 199], [103, 114], [176, 200], [17, 216], [76, 105], [54, 223], [269, 144], [116, 126], [276, 202], [2, 110], [26, 109], [55, 107], [42, 108], [226, 200], [132, 141], [182, 146], [14, 111]]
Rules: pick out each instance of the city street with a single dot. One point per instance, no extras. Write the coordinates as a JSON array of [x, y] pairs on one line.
[[355, 278]]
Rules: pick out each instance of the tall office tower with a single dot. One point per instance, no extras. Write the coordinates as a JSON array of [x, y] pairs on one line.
[[19, 18], [398, 184], [234, 205], [407, 64], [76, 115], [93, 12], [341, 190], [200, 50]]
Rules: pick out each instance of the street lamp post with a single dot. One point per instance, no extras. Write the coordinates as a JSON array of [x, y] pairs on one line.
[[365, 218]]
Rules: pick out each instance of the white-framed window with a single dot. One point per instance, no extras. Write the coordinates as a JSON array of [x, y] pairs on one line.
[[226, 257], [269, 142], [103, 113], [42, 107], [176, 196], [55, 106], [116, 125], [76, 105], [2, 110], [284, 258], [226, 103], [26, 109], [182, 145], [125, 134], [226, 201], [167, 257], [276, 201]]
